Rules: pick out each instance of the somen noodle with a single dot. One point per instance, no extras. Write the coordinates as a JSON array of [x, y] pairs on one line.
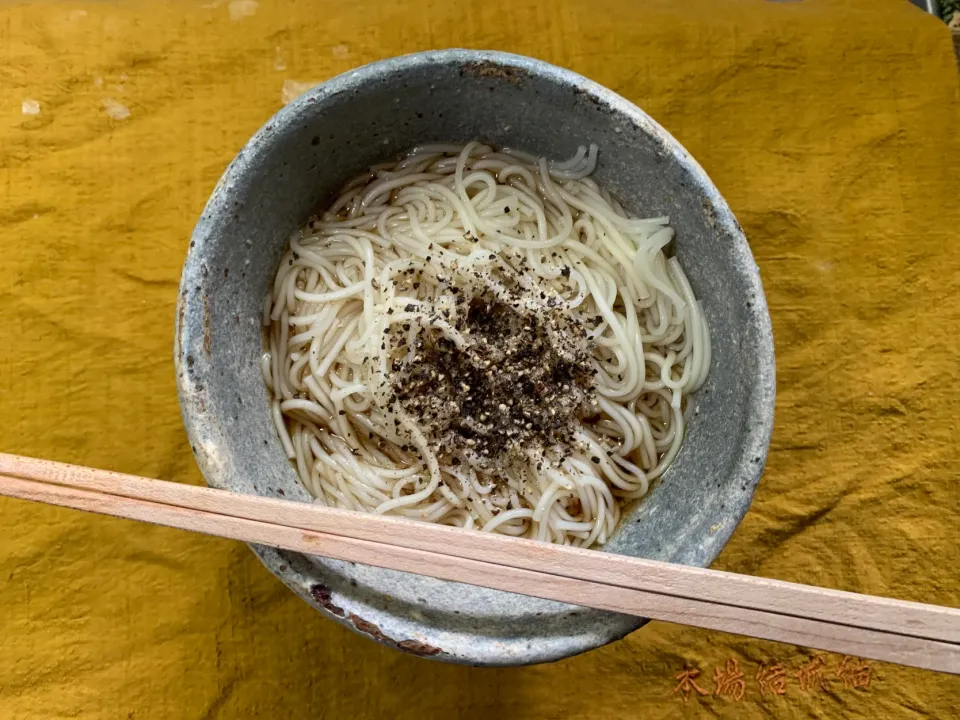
[[482, 338]]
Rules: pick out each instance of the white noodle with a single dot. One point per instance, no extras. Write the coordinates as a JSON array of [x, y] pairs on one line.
[[484, 211]]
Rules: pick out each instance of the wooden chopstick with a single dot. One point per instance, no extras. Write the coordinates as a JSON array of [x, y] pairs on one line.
[[776, 596], [908, 633]]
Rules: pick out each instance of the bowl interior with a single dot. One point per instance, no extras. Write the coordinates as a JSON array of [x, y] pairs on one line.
[[296, 163]]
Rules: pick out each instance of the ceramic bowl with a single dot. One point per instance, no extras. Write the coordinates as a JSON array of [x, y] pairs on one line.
[[292, 167]]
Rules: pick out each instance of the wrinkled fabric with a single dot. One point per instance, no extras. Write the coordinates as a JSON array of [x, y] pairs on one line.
[[830, 127]]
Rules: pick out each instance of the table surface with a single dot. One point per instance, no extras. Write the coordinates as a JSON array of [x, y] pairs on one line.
[[830, 128]]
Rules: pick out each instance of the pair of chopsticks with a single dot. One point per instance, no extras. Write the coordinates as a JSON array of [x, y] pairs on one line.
[[908, 633]]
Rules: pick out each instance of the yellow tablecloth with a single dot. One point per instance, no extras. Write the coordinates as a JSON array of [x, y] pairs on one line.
[[830, 127]]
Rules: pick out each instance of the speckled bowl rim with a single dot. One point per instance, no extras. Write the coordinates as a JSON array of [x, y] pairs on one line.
[[189, 330]]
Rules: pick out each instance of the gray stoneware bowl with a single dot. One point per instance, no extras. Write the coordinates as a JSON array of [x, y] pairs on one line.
[[292, 167]]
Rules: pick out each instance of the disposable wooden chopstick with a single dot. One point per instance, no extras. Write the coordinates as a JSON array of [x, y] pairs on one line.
[[908, 633], [852, 609], [928, 654]]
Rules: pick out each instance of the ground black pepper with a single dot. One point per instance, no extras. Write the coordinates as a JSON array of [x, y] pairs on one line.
[[519, 387]]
